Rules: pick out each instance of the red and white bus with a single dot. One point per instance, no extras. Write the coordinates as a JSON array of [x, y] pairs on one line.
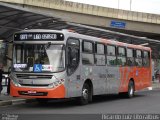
[[63, 64]]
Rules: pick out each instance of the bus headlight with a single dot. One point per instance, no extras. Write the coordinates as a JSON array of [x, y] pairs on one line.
[[56, 83], [51, 85], [15, 83]]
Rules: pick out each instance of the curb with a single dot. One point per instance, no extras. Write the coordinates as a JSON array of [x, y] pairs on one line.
[[156, 85], [153, 87], [16, 102], [150, 88]]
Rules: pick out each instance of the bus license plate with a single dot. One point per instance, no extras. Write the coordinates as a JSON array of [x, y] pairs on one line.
[[32, 92]]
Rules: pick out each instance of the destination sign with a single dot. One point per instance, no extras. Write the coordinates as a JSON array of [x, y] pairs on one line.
[[38, 36]]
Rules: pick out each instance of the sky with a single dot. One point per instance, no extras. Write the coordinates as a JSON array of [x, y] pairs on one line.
[[147, 6]]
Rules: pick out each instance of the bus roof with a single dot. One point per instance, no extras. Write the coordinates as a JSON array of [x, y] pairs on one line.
[[87, 37], [109, 41]]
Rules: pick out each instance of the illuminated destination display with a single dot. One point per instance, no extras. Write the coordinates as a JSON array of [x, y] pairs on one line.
[[38, 36]]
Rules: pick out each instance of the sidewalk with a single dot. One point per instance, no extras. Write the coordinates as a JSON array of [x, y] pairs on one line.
[[155, 84], [8, 100]]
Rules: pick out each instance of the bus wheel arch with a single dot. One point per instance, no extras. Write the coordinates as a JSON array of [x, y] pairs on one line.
[[89, 82], [130, 89], [86, 92]]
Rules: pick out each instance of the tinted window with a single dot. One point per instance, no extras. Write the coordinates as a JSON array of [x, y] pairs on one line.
[[146, 54], [87, 59], [87, 55], [87, 47], [121, 59], [130, 57], [138, 54], [111, 50], [146, 59], [100, 56], [73, 53], [121, 51], [129, 52], [100, 59], [73, 42], [138, 60], [111, 58], [100, 48]]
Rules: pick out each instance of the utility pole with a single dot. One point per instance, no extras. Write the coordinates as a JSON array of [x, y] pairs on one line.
[[118, 4], [130, 5]]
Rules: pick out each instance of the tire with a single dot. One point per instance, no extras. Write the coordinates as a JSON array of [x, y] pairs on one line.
[[86, 95], [131, 90]]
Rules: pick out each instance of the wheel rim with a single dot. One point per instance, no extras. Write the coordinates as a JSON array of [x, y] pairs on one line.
[[85, 94]]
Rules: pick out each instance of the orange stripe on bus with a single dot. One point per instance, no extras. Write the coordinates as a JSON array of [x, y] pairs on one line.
[[141, 76]]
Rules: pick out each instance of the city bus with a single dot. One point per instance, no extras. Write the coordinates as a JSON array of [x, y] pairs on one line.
[[60, 64]]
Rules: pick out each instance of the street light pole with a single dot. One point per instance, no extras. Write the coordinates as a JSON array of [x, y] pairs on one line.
[[118, 4], [130, 5]]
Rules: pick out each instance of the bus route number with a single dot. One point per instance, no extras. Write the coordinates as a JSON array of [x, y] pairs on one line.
[[38, 36]]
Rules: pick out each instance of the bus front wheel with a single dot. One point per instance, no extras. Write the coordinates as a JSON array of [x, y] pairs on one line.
[[86, 95]]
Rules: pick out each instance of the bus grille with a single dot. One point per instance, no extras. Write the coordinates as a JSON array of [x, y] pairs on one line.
[[29, 76]]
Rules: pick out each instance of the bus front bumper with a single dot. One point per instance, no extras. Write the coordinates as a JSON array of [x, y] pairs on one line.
[[29, 92]]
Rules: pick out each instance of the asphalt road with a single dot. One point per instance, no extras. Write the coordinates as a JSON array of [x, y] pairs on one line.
[[143, 102]]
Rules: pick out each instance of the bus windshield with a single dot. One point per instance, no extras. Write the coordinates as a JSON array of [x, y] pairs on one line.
[[39, 58]]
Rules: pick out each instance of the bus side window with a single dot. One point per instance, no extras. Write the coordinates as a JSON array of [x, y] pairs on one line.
[[100, 54], [130, 57], [111, 55], [121, 57], [138, 59], [87, 53], [146, 58], [72, 55]]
